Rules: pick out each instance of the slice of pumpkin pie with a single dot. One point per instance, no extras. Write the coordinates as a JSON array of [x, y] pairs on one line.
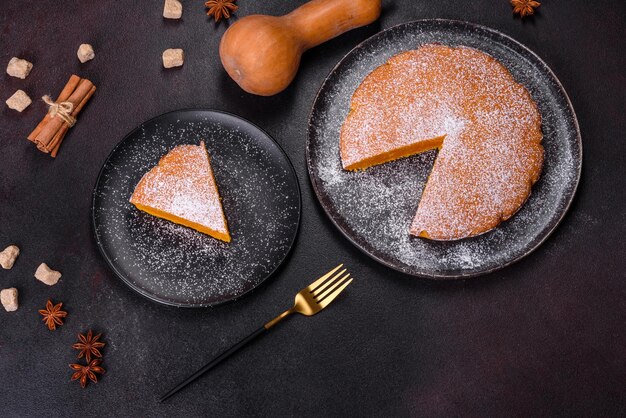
[[182, 189]]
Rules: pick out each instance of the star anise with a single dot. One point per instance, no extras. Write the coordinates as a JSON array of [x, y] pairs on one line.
[[82, 372], [88, 345], [52, 315], [524, 7], [221, 8]]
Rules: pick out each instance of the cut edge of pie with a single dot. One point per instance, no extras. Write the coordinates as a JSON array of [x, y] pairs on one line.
[[171, 190], [409, 150]]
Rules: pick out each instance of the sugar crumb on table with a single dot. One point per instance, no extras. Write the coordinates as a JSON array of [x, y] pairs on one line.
[[172, 9], [19, 68], [8, 256], [19, 101], [46, 275], [8, 298], [173, 57], [85, 53]]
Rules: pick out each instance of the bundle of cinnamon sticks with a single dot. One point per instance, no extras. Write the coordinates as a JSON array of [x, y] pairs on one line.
[[49, 134]]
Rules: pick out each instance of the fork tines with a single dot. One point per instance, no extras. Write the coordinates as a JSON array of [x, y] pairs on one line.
[[327, 288]]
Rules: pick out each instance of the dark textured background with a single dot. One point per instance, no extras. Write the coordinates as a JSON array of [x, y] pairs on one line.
[[543, 337]]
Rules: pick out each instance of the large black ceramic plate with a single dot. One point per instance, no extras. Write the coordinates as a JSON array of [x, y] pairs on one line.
[[178, 266], [374, 208]]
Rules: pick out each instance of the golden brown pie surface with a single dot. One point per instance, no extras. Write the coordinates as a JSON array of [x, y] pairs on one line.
[[182, 189], [465, 103]]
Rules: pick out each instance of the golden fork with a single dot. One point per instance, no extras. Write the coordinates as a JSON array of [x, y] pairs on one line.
[[309, 301]]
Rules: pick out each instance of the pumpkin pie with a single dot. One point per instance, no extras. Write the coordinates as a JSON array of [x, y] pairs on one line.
[[182, 189], [467, 105]]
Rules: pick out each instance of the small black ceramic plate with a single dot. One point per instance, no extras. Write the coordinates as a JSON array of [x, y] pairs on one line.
[[178, 266], [374, 208]]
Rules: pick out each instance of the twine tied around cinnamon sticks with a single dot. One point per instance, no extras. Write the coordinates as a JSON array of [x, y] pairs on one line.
[[63, 110], [61, 116]]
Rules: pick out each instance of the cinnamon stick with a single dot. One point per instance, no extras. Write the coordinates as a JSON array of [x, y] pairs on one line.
[[56, 141], [49, 133], [65, 93], [54, 124]]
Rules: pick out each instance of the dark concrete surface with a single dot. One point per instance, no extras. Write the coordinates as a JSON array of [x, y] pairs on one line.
[[545, 336]]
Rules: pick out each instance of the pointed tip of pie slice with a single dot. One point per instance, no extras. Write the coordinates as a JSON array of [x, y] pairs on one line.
[[181, 188]]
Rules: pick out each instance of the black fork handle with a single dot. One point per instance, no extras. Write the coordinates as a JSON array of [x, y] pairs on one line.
[[217, 360]]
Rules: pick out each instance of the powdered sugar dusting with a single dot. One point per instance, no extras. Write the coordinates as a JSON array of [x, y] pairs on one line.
[[182, 184], [178, 265], [492, 150], [375, 207]]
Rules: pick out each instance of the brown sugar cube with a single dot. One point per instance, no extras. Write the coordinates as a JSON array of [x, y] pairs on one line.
[[47, 275], [85, 53], [8, 256], [173, 58], [172, 9], [19, 101], [8, 298], [19, 68]]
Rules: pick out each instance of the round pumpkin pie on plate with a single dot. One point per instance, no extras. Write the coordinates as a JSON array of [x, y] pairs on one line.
[[466, 104]]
